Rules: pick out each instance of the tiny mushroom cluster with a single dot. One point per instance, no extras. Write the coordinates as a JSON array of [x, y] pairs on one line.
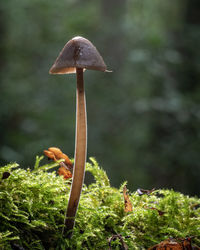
[[66, 167], [78, 55]]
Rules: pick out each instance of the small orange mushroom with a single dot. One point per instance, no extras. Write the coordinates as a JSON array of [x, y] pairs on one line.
[[65, 172], [56, 154], [66, 166], [50, 155]]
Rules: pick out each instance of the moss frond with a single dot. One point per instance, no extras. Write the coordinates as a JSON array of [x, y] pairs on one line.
[[33, 204]]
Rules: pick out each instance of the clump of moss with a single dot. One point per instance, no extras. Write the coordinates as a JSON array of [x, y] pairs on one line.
[[33, 203]]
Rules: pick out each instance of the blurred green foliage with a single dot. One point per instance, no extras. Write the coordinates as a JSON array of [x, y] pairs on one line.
[[143, 119]]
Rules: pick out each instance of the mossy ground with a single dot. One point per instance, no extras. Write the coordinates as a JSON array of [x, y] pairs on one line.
[[33, 204]]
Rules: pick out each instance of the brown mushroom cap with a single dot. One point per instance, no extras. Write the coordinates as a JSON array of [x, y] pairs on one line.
[[78, 53]]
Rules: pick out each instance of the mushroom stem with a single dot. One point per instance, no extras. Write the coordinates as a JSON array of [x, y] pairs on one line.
[[80, 154]]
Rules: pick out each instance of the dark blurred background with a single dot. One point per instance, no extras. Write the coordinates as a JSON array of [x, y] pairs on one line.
[[143, 119]]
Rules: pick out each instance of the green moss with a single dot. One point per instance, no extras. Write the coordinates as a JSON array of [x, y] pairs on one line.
[[33, 204]]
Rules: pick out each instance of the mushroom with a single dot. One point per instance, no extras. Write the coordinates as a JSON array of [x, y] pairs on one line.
[[77, 55], [56, 154]]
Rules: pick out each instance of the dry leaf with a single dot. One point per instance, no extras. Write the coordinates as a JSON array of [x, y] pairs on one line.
[[127, 202], [175, 244], [141, 191]]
